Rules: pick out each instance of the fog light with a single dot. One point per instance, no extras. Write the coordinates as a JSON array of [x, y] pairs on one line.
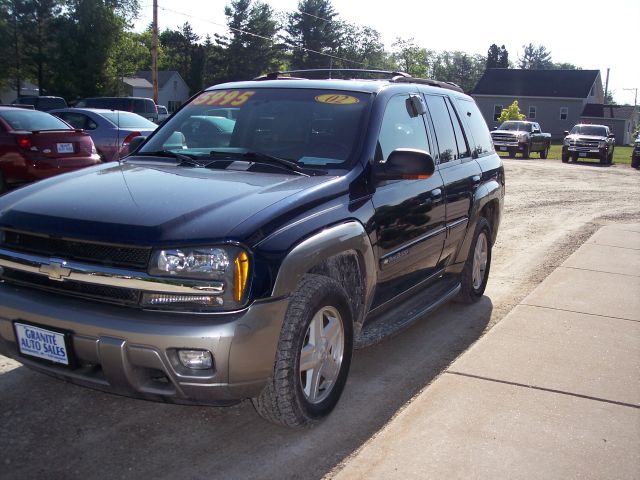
[[196, 359]]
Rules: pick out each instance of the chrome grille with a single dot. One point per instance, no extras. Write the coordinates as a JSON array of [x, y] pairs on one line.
[[104, 293], [504, 137]]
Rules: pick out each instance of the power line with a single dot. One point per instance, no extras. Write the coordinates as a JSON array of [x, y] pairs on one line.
[[260, 36]]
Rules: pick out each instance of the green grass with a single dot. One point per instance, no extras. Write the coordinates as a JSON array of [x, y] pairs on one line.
[[621, 154]]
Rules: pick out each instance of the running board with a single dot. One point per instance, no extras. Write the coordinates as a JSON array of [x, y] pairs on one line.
[[397, 319]]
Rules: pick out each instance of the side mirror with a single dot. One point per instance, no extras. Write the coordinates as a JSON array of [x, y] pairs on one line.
[[611, 135], [495, 128], [406, 164], [135, 143], [566, 132], [536, 130]]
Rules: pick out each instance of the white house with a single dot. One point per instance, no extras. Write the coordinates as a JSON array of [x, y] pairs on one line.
[[172, 89]]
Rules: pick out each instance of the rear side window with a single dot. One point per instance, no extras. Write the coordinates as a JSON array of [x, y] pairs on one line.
[[150, 106], [479, 138], [51, 103]]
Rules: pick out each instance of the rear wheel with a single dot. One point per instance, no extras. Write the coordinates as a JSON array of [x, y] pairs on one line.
[[313, 356], [476, 269], [545, 152]]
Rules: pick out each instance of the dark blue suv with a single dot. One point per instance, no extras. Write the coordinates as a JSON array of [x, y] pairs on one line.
[[247, 257]]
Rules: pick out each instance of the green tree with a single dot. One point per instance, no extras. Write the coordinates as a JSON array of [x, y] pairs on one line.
[[497, 57], [458, 67], [512, 112], [183, 54], [313, 32], [361, 47], [535, 58], [130, 53], [410, 58], [251, 48]]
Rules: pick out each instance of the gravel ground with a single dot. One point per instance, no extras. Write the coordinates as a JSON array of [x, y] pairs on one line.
[[50, 429]]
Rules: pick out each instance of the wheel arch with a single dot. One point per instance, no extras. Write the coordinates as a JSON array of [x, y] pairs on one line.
[[342, 252]]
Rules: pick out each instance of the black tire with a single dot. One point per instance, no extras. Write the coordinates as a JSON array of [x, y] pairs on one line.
[[512, 153], [544, 153], [283, 400], [604, 158], [526, 151], [635, 161], [471, 291], [565, 158]]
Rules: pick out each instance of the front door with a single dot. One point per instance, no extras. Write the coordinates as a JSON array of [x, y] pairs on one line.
[[409, 214]]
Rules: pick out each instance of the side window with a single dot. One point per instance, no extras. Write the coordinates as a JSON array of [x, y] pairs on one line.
[[479, 138], [447, 145], [76, 120], [400, 130]]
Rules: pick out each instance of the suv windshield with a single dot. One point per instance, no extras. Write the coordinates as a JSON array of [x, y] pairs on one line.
[[314, 128], [595, 130], [521, 126]]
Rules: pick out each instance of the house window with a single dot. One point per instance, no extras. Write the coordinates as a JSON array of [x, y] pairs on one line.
[[497, 111], [532, 112], [564, 113]]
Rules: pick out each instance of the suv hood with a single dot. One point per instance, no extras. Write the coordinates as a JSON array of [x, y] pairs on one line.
[[152, 204]]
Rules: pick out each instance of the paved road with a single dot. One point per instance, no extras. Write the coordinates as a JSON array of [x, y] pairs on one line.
[[56, 430]]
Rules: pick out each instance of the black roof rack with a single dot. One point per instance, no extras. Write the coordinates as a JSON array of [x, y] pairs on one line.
[[394, 76]]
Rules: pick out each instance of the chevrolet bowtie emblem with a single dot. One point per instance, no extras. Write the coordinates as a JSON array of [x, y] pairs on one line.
[[55, 269]]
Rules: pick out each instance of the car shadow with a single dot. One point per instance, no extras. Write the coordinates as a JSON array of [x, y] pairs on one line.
[[59, 430]]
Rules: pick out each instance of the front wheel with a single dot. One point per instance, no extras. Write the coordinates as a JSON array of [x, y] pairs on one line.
[[525, 151], [475, 273], [313, 356]]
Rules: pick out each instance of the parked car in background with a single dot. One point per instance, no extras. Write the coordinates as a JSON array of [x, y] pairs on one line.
[[588, 141], [110, 130], [145, 107], [515, 136], [44, 103], [163, 113], [36, 145], [635, 155]]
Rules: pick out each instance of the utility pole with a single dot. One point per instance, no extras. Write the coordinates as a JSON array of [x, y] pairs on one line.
[[606, 86], [154, 52]]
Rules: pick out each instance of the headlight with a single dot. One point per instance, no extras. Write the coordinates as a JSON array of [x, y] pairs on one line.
[[522, 136], [567, 142], [221, 273], [602, 144]]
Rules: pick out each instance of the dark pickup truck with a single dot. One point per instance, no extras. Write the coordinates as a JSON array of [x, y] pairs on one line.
[[589, 141], [212, 266], [516, 136]]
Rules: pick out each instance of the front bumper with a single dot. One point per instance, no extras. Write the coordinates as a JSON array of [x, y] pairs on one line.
[[584, 152], [133, 352]]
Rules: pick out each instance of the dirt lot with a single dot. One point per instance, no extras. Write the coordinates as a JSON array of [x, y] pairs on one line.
[[54, 430]]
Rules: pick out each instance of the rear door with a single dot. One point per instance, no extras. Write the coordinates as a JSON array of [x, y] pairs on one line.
[[460, 174], [409, 214]]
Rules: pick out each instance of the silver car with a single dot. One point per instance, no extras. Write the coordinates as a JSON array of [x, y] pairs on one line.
[[111, 130]]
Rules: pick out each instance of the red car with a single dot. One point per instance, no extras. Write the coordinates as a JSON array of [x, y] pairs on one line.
[[36, 145]]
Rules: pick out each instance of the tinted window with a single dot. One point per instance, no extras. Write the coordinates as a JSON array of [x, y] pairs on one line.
[[151, 107], [595, 130], [479, 136], [20, 119], [463, 147], [51, 103], [400, 130], [316, 128], [27, 101], [447, 145]]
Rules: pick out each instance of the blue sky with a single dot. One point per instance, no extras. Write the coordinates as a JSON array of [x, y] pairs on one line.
[[591, 35]]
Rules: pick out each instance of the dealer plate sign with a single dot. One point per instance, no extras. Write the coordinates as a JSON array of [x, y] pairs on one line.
[[41, 343]]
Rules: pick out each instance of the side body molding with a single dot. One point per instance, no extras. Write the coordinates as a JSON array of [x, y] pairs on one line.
[[343, 238]]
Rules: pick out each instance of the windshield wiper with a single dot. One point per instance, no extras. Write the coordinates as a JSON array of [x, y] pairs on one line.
[[184, 159], [258, 157]]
